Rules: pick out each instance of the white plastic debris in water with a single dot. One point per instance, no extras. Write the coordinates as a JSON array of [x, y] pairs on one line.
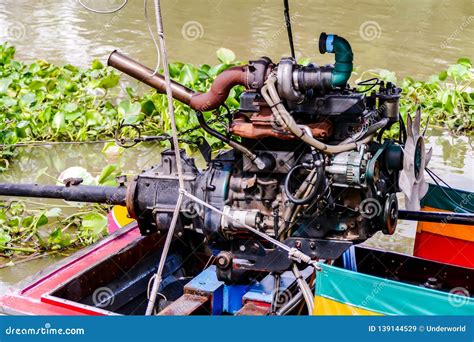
[[77, 172]]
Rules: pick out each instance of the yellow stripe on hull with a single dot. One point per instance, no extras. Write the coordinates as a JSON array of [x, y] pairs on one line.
[[457, 231], [328, 307], [120, 216]]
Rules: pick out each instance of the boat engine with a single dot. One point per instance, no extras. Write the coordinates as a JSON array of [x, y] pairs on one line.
[[305, 167]]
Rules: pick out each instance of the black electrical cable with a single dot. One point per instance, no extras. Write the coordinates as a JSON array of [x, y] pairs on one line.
[[316, 185], [403, 130], [288, 27], [370, 82], [432, 175]]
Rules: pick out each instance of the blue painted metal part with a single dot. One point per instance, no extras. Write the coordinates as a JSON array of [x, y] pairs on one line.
[[330, 43], [233, 297], [206, 282], [224, 298], [230, 298], [349, 259], [263, 291]]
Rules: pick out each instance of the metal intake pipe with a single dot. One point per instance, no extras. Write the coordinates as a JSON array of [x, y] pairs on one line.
[[202, 102]]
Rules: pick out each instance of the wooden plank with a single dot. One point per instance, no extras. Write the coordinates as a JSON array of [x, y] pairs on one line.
[[185, 305]]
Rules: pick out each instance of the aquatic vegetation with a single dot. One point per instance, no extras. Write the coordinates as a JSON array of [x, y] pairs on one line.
[[45, 102], [27, 231], [446, 99], [34, 228]]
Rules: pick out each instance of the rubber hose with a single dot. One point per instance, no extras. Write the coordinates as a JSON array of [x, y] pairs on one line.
[[316, 186]]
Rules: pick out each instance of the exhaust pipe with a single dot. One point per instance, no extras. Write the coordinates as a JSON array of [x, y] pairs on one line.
[[148, 76], [202, 102]]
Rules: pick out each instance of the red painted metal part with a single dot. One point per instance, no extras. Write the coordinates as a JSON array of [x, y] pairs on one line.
[[444, 249], [33, 297], [254, 308]]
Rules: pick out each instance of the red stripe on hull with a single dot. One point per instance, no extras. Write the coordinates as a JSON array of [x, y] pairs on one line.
[[444, 249]]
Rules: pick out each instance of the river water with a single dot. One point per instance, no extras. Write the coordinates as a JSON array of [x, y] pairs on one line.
[[411, 38]]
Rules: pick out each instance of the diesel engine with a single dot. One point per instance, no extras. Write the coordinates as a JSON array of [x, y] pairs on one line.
[[307, 163]]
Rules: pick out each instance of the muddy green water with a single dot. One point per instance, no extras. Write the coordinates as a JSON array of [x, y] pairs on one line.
[[416, 38]]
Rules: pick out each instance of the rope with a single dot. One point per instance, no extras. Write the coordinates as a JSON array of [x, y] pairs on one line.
[[179, 167]]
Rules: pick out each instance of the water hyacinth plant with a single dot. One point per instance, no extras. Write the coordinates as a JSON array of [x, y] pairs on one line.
[[41, 101]]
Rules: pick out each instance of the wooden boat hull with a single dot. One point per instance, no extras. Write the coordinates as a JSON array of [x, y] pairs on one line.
[[364, 281], [445, 242]]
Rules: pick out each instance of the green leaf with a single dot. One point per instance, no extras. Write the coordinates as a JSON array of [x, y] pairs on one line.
[[58, 238], [304, 61], [225, 56], [388, 76], [59, 121], [457, 71], [4, 84], [443, 75], [189, 75], [94, 219], [464, 61], [70, 107], [106, 173], [36, 84], [175, 69], [97, 65], [109, 81], [95, 223], [28, 99], [27, 221], [4, 238], [127, 108], [42, 220]]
